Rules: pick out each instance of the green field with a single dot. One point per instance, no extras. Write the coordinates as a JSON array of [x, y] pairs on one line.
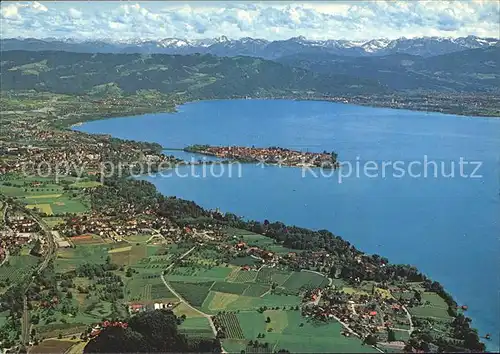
[[232, 288], [289, 330], [217, 301], [142, 289], [16, 268], [436, 308], [269, 275], [70, 258], [299, 280], [86, 184], [256, 240], [49, 197], [194, 293], [242, 276], [196, 327], [256, 290]]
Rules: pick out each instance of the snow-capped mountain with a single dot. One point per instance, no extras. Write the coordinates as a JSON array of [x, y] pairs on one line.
[[224, 46]]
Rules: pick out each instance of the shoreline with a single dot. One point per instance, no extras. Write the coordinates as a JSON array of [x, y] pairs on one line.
[[291, 98]]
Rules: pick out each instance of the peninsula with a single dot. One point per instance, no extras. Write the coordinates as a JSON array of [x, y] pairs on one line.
[[271, 155]]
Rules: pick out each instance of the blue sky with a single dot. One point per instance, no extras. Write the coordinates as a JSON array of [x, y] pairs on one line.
[[357, 20]]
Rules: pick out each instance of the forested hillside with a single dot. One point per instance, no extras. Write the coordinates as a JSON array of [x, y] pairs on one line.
[[196, 76], [475, 70]]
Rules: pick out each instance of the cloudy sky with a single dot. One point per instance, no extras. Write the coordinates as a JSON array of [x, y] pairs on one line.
[[270, 20]]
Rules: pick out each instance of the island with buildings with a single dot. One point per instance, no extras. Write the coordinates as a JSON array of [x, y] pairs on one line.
[[270, 155]]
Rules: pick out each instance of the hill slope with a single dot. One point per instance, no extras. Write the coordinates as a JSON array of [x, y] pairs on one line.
[[475, 70], [194, 75]]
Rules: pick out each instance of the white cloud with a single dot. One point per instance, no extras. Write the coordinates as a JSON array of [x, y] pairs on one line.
[[74, 13], [315, 20], [10, 11]]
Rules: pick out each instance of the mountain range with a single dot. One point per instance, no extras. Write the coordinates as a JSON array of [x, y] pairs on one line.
[[223, 46]]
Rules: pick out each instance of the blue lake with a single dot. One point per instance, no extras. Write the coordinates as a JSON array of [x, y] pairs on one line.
[[447, 226]]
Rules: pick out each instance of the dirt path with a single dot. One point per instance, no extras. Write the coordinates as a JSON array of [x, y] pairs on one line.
[[181, 299]]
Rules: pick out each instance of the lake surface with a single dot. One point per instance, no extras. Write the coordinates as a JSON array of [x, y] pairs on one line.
[[447, 226]]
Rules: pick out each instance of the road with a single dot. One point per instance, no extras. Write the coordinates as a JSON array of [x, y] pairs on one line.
[[409, 319], [25, 323], [182, 300], [49, 254]]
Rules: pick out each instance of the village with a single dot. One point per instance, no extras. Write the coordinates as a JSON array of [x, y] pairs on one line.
[[271, 155]]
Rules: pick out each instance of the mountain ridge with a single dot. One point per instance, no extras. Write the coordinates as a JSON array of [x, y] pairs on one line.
[[223, 46]]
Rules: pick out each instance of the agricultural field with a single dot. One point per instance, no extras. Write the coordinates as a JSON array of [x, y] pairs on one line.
[[16, 268], [242, 276], [230, 288], [70, 258], [270, 275], [289, 330], [230, 324], [86, 184], [46, 195], [198, 327], [139, 289], [199, 275], [50, 346], [256, 290], [308, 280], [194, 293], [127, 255], [65, 329], [217, 301]]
